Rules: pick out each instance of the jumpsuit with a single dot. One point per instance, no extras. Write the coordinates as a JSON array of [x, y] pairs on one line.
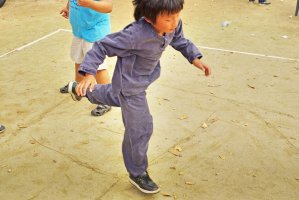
[[138, 48]]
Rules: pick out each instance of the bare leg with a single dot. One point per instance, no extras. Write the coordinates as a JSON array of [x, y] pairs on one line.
[[78, 77], [102, 77]]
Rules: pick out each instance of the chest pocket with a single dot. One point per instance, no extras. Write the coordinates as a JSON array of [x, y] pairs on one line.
[[144, 66]]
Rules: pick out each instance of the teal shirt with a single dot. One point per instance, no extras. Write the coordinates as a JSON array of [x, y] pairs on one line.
[[88, 24]]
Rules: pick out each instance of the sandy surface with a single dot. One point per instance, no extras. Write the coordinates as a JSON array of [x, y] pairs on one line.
[[247, 149]]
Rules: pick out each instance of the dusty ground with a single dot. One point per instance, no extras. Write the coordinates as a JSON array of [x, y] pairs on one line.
[[249, 148]]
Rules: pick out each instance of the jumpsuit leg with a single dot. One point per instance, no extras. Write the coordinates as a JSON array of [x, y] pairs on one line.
[[102, 94], [138, 124]]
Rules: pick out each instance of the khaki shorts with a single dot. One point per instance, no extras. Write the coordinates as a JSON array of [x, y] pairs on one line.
[[79, 49]]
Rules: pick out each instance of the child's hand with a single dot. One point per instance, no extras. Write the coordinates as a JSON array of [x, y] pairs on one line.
[[102, 6], [65, 13], [84, 3], [196, 62], [87, 82]]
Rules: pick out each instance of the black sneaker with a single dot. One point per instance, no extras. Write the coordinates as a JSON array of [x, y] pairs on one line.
[[64, 89], [100, 110], [72, 90], [144, 183], [2, 128]]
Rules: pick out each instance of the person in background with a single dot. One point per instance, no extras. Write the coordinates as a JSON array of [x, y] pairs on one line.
[[90, 22], [262, 2], [2, 128]]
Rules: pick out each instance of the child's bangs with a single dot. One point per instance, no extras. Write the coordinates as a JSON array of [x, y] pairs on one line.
[[170, 6]]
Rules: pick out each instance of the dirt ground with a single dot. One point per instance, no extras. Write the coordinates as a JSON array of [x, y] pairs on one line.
[[231, 136]]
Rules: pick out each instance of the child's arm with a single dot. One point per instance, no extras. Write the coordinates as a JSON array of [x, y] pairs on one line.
[[188, 49], [103, 6], [65, 11], [116, 44]]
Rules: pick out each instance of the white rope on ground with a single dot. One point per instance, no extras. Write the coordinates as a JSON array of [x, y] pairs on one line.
[[202, 47]]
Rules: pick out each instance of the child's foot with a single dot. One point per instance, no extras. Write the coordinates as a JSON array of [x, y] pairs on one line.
[[72, 91], [64, 89], [100, 110], [144, 183], [2, 128]]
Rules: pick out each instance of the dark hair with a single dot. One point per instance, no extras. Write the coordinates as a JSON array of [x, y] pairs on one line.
[[152, 8]]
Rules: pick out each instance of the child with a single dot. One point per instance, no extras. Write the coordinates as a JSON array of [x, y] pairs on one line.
[[138, 49], [90, 22]]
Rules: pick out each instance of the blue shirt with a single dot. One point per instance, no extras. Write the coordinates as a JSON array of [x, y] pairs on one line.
[[88, 24], [138, 49]]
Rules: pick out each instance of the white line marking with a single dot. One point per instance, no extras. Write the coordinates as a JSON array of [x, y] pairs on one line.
[[35, 41], [65, 30], [202, 47], [248, 53]]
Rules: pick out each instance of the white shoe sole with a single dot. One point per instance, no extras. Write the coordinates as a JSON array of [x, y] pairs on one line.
[[69, 89]]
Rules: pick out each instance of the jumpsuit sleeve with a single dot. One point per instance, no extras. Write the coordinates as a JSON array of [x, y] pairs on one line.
[[183, 45], [117, 44]]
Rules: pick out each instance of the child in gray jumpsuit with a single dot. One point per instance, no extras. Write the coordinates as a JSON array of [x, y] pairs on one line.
[[138, 48]]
